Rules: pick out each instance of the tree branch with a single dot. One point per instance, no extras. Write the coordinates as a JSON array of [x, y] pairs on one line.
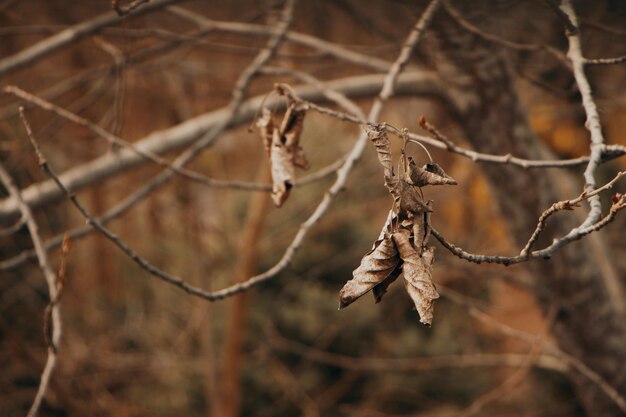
[[71, 35], [593, 119], [53, 313]]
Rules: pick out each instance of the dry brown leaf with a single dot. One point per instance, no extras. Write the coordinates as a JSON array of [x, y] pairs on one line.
[[266, 129], [381, 289], [378, 265], [429, 174], [291, 126], [417, 275], [290, 132], [378, 136], [408, 200], [283, 171]]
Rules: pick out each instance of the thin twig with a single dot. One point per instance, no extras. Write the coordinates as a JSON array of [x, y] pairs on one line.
[[568, 20], [442, 142], [604, 61], [437, 134], [53, 313], [123, 11], [564, 205], [619, 204]]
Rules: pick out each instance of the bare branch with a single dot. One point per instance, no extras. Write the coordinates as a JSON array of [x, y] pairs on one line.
[[53, 313], [604, 61], [443, 142], [123, 11], [619, 203], [593, 119], [564, 205]]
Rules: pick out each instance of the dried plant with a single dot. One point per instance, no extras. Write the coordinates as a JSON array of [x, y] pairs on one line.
[[403, 244]]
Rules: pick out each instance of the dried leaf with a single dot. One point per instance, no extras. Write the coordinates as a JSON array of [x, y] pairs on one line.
[[418, 275], [266, 128], [381, 289], [378, 136], [283, 171], [291, 126], [290, 132], [429, 174], [408, 200], [377, 265]]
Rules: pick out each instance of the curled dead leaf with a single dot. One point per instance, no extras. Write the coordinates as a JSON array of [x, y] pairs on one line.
[[283, 148], [282, 168], [291, 130], [299, 159], [408, 199], [378, 135], [417, 272], [380, 266], [429, 174], [293, 121], [381, 289]]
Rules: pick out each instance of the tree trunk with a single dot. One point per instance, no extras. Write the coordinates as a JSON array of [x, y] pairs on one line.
[[246, 267], [579, 279]]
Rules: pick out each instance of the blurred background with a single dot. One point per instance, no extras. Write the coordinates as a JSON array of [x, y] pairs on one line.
[[134, 346]]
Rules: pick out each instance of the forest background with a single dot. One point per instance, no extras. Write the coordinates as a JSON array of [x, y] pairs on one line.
[[544, 337]]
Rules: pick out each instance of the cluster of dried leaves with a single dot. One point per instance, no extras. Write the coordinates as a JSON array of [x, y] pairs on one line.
[[282, 144], [402, 244]]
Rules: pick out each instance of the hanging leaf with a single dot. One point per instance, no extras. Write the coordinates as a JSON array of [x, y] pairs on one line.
[[417, 275], [282, 168], [381, 289], [291, 130], [429, 174], [408, 199], [378, 265], [266, 129], [378, 135]]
